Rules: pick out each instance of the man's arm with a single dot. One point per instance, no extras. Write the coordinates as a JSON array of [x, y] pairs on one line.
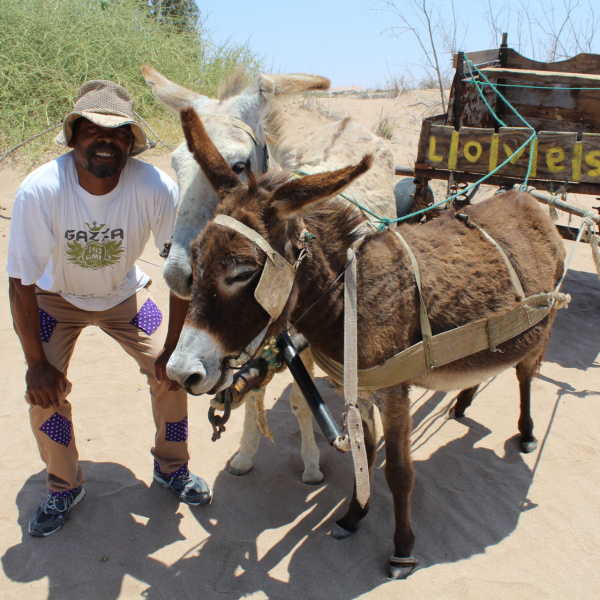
[[46, 385], [177, 311]]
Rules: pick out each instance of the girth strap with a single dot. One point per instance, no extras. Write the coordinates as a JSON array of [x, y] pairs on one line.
[[450, 345], [446, 347]]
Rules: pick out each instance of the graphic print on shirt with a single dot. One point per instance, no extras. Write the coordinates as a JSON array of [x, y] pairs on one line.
[[96, 248]]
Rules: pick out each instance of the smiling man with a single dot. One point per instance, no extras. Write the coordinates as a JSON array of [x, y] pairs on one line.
[[79, 223]]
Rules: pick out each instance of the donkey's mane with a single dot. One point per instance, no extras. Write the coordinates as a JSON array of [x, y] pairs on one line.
[[337, 220], [234, 85]]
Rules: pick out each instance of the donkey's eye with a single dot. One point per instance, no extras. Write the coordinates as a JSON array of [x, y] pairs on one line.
[[238, 167], [241, 277]]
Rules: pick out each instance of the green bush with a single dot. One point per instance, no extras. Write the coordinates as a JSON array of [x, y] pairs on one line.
[[48, 48]]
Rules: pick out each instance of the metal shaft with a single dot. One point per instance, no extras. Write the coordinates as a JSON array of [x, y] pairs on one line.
[[319, 409]]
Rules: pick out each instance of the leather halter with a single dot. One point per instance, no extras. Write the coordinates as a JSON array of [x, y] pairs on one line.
[[273, 289]]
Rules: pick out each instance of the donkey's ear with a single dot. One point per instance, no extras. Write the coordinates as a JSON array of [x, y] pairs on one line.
[[214, 166], [293, 197], [257, 98], [171, 95]]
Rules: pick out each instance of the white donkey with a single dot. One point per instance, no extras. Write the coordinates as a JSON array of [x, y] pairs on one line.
[[244, 126]]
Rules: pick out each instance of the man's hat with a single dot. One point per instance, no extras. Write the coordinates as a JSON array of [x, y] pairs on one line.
[[106, 104]]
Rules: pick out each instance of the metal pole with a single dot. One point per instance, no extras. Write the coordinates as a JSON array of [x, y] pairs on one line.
[[319, 409], [570, 208]]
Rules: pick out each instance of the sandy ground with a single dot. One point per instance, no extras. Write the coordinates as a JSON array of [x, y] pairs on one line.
[[490, 522]]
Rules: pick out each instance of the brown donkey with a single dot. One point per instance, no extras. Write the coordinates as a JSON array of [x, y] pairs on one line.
[[464, 278]]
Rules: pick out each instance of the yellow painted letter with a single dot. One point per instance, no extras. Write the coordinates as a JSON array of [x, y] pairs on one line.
[[433, 157], [472, 156], [553, 157], [593, 159]]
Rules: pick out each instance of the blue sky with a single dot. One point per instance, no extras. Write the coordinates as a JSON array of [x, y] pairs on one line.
[[340, 39], [344, 39]]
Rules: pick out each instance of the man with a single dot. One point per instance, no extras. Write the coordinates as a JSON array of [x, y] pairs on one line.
[[79, 224]]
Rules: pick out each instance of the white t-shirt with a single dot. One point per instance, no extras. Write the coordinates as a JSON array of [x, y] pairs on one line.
[[82, 246]]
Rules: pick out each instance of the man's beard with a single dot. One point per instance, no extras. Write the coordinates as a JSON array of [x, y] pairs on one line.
[[100, 168]]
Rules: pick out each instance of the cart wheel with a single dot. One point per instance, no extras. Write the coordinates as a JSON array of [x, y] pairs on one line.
[[412, 195]]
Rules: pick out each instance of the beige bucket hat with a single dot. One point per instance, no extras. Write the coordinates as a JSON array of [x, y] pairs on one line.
[[106, 104]]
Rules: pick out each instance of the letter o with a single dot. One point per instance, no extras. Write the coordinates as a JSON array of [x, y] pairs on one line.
[[472, 157]]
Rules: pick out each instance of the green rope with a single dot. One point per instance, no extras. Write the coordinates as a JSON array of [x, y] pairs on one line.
[[488, 82], [384, 222]]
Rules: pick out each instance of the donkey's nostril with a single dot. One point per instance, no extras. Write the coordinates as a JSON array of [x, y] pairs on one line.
[[192, 381]]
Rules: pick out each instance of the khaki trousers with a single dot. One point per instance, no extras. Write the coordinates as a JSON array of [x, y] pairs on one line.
[[134, 324]]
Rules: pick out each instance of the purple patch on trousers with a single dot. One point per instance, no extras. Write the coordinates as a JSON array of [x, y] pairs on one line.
[[177, 432], [181, 471], [149, 318], [66, 494], [58, 428], [47, 325]]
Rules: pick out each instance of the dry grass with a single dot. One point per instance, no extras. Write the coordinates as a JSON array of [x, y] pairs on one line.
[[384, 128]]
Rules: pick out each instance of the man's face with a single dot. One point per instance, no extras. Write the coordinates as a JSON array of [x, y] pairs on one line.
[[103, 151]]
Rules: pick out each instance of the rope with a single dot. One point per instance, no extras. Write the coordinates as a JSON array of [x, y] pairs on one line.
[[30, 139], [588, 224], [384, 223], [154, 132]]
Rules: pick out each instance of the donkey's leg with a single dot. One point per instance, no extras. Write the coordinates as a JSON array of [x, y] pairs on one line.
[[463, 401], [348, 524], [310, 451], [242, 461], [399, 474], [525, 371]]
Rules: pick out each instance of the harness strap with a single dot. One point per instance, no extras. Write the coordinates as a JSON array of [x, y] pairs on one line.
[[450, 345], [425, 325], [244, 127], [354, 420], [254, 237], [273, 289], [514, 279]]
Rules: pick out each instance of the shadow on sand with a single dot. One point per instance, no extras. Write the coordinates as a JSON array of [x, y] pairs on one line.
[[271, 534], [580, 351]]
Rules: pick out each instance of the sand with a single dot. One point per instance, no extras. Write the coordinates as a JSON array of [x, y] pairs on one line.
[[490, 522]]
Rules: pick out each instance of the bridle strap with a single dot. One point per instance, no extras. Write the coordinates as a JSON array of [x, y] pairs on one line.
[[232, 121], [254, 237]]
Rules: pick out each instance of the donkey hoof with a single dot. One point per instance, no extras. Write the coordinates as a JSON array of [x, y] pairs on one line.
[[240, 465], [339, 533], [239, 472], [528, 446], [313, 477], [453, 413], [402, 567]]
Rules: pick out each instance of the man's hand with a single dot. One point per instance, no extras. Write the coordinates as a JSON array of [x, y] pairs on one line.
[[160, 367], [46, 385]]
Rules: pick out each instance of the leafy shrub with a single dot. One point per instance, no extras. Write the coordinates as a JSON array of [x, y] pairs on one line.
[[48, 48]]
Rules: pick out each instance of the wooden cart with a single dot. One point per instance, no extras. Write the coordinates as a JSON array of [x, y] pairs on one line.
[[560, 101]]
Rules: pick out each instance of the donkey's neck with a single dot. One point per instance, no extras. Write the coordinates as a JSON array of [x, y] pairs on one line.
[[386, 292]]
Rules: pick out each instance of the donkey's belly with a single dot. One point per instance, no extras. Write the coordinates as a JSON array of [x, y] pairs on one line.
[[446, 380]]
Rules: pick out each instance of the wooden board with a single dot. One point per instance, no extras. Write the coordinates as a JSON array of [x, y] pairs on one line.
[[555, 156], [549, 78]]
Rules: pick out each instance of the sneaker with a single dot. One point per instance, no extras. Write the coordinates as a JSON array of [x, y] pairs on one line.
[[52, 512], [189, 488]]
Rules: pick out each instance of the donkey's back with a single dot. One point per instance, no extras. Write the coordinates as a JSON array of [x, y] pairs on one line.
[[465, 276]]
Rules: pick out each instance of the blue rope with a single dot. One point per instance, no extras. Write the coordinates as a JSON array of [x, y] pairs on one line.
[[384, 222]]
